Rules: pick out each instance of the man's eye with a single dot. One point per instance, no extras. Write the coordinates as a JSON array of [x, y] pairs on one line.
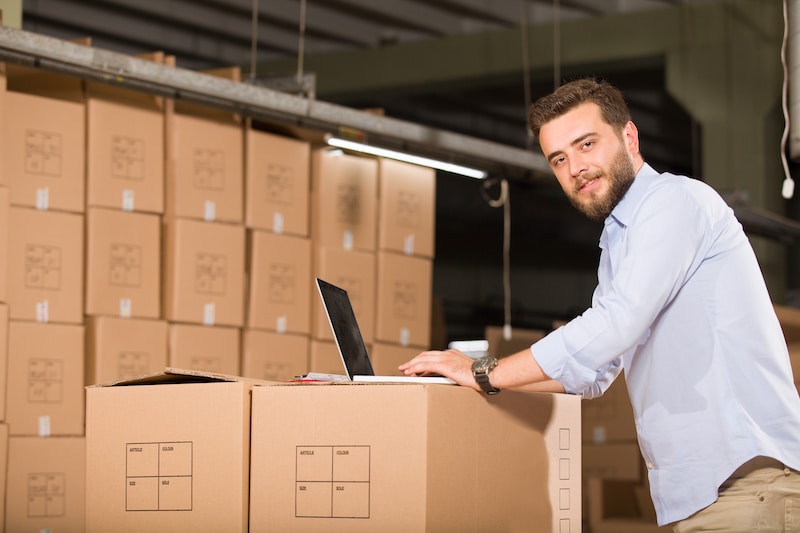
[[558, 161], [587, 145]]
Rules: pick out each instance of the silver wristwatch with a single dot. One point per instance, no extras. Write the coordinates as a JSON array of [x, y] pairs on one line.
[[480, 369]]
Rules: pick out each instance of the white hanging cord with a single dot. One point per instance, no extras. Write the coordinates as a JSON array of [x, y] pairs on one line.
[[503, 200], [254, 40], [302, 44], [788, 182]]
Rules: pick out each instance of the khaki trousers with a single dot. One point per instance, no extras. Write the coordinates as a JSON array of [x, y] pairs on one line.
[[762, 495]]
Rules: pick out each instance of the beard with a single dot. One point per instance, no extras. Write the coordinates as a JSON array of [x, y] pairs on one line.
[[620, 175]]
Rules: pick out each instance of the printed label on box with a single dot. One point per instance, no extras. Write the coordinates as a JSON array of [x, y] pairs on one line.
[[42, 267], [159, 476], [332, 482], [45, 380], [210, 273], [125, 265], [404, 301], [408, 209], [279, 185], [282, 281], [46, 497], [127, 158], [348, 203], [132, 364], [43, 153], [209, 169]]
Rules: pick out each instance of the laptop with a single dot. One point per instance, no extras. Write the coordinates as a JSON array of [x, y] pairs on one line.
[[350, 343]]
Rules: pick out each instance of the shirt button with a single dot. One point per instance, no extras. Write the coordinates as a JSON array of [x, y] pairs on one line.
[[650, 466]]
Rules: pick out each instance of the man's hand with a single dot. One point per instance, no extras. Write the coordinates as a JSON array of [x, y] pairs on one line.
[[449, 363]]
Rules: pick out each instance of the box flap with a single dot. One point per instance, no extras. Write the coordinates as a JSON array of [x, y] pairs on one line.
[[177, 376]]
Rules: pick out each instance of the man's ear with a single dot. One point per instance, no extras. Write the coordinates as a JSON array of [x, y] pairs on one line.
[[631, 135]]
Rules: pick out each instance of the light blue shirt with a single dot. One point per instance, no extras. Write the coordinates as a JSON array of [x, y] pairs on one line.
[[682, 306]]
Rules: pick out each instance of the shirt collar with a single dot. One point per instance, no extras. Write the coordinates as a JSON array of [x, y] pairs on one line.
[[623, 212]]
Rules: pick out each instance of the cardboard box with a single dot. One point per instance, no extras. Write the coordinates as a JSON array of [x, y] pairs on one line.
[[125, 153], [794, 359], [277, 183], [45, 152], [353, 271], [403, 309], [789, 318], [123, 348], [168, 452], [3, 471], [205, 177], [3, 360], [389, 457], [620, 461], [521, 339], [407, 208], [324, 358], [45, 379], [280, 288], [344, 200], [616, 507], [205, 348], [609, 418], [45, 268], [274, 356], [46, 489], [387, 357], [204, 273], [123, 263], [5, 258]]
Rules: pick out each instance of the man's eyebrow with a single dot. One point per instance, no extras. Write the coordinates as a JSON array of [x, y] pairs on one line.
[[579, 140]]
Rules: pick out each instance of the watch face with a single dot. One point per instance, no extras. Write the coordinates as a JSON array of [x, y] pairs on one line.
[[484, 365]]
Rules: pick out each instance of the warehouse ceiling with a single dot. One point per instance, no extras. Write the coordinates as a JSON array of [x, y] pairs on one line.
[[287, 34]]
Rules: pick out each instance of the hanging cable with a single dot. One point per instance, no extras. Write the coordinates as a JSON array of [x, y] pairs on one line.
[[788, 182], [254, 40], [503, 200]]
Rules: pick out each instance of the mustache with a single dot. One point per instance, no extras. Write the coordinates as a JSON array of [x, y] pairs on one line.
[[586, 178]]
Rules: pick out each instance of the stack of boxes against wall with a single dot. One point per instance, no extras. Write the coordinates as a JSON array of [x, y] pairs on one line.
[[143, 233]]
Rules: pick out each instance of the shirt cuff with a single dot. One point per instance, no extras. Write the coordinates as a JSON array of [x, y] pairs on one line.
[[555, 360]]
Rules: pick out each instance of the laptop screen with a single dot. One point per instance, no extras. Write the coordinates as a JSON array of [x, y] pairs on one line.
[[345, 330]]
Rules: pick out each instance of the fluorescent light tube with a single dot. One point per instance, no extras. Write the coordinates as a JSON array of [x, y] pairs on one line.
[[401, 156]]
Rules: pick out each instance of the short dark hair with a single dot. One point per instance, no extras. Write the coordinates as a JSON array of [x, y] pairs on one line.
[[612, 105]]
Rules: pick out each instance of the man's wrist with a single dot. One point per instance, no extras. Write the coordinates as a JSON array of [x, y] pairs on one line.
[[481, 368]]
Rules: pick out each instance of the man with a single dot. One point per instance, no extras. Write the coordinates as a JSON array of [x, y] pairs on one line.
[[682, 306]]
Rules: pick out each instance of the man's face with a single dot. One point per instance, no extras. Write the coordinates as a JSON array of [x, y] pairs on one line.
[[594, 163]]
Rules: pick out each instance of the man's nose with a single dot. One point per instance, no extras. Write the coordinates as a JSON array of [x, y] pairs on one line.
[[577, 165]]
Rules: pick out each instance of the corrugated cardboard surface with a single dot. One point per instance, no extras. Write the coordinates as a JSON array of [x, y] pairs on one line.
[[413, 458], [3, 359], [3, 470], [280, 287], [205, 348], [46, 485], [277, 183], [206, 180], [168, 453], [204, 269], [4, 241], [45, 379], [45, 268], [123, 263], [125, 155], [407, 208], [45, 152], [355, 272], [344, 200], [122, 348], [387, 357], [403, 309], [274, 356]]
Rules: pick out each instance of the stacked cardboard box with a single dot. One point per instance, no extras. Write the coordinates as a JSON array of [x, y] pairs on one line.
[[333, 457]]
